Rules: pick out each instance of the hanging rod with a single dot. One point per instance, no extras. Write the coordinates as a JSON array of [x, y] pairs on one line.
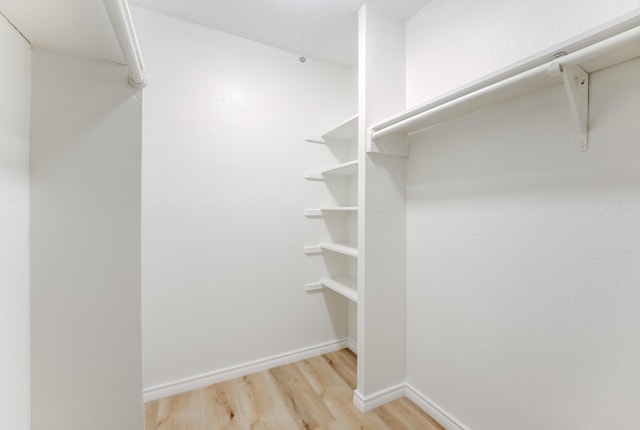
[[614, 50], [122, 24]]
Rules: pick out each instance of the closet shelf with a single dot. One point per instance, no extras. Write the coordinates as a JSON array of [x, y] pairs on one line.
[[337, 209], [344, 132], [345, 169], [345, 286], [389, 137], [341, 248]]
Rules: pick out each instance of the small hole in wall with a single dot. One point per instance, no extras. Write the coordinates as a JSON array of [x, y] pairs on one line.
[[302, 59]]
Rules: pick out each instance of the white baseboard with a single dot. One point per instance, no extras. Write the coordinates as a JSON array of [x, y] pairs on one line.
[[435, 411], [358, 400], [353, 346], [199, 381], [378, 399]]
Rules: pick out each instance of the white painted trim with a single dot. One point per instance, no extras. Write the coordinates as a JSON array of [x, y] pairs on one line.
[[358, 400], [199, 381], [443, 418], [353, 346], [378, 399]]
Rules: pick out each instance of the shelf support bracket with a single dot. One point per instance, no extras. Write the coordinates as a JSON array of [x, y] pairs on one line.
[[576, 83], [396, 145]]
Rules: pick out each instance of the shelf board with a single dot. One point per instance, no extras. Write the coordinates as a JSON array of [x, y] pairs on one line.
[[344, 132], [344, 286], [311, 250], [591, 54], [344, 169], [341, 248], [336, 209]]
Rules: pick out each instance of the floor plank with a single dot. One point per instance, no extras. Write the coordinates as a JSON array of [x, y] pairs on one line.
[[311, 394], [300, 397], [182, 411], [345, 364]]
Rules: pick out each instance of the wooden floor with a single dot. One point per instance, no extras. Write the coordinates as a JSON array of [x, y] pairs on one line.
[[310, 394]]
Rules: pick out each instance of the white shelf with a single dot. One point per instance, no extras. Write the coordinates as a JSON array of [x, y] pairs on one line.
[[344, 286], [336, 209], [344, 132], [341, 248], [345, 169], [535, 75]]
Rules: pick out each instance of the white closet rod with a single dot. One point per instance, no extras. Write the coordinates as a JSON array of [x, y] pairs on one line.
[[484, 88], [122, 24]]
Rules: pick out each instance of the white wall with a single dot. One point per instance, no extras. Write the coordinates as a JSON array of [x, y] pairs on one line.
[[15, 102], [522, 253], [453, 43], [223, 199], [382, 230], [85, 246]]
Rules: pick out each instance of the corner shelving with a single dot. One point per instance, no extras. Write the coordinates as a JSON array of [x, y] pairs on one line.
[[344, 136]]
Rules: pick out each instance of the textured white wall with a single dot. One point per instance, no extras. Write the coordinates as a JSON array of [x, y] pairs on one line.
[[523, 262], [382, 229], [85, 246], [15, 102], [452, 43], [223, 199]]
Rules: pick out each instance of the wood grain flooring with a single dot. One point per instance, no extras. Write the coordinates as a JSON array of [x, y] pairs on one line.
[[310, 394]]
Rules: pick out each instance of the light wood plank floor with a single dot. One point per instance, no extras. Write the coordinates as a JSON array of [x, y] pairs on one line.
[[310, 394]]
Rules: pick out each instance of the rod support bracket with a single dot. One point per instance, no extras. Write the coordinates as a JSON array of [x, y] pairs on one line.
[[394, 144], [576, 84]]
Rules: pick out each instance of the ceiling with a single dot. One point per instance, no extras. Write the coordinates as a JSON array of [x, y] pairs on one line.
[[321, 29], [325, 30]]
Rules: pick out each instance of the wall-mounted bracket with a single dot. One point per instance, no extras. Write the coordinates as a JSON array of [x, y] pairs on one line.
[[396, 145], [576, 83]]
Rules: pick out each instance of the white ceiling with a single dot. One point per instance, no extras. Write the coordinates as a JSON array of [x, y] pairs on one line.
[[321, 29]]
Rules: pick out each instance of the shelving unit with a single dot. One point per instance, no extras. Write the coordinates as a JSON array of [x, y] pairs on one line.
[[342, 135], [572, 70], [381, 75]]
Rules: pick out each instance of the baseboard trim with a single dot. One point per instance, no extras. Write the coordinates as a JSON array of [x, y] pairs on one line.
[[436, 412], [353, 346], [199, 381], [358, 400], [378, 399], [443, 418]]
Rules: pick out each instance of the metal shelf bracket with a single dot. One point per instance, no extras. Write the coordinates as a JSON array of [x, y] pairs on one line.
[[576, 83]]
